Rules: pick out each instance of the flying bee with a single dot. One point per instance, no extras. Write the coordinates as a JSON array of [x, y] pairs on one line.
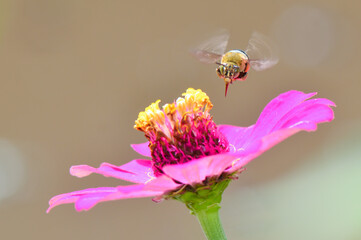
[[235, 64]]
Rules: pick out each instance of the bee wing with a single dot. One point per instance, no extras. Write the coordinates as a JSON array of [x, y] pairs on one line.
[[211, 51], [261, 51]]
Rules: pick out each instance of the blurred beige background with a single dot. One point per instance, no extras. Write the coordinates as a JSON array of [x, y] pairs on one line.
[[75, 74]]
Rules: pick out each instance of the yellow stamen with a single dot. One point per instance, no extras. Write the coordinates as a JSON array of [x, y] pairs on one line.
[[196, 100], [153, 118], [151, 114]]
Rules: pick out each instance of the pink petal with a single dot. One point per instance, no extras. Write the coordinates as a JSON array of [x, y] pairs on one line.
[[278, 108], [292, 105], [288, 110], [276, 137], [235, 135], [86, 202], [198, 170], [137, 171], [74, 196], [88, 198], [161, 183], [308, 113], [266, 143], [142, 148], [82, 170], [284, 116]]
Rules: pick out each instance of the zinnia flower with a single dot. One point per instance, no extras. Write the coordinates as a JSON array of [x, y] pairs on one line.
[[192, 158]]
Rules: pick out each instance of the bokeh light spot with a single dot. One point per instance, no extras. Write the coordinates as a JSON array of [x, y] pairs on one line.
[[11, 169]]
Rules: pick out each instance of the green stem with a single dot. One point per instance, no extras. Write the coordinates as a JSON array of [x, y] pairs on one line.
[[211, 224], [204, 202]]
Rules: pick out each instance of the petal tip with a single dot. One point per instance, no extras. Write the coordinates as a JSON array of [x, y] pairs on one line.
[[142, 148], [48, 210], [81, 170]]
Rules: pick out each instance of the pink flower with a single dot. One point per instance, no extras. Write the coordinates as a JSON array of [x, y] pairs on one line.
[[189, 151]]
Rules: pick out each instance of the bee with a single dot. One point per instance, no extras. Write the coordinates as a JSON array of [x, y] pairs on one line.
[[235, 64]]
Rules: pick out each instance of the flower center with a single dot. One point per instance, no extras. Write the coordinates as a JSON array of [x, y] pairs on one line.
[[181, 131]]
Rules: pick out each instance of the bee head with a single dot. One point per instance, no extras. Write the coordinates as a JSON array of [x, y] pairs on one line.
[[228, 70]]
